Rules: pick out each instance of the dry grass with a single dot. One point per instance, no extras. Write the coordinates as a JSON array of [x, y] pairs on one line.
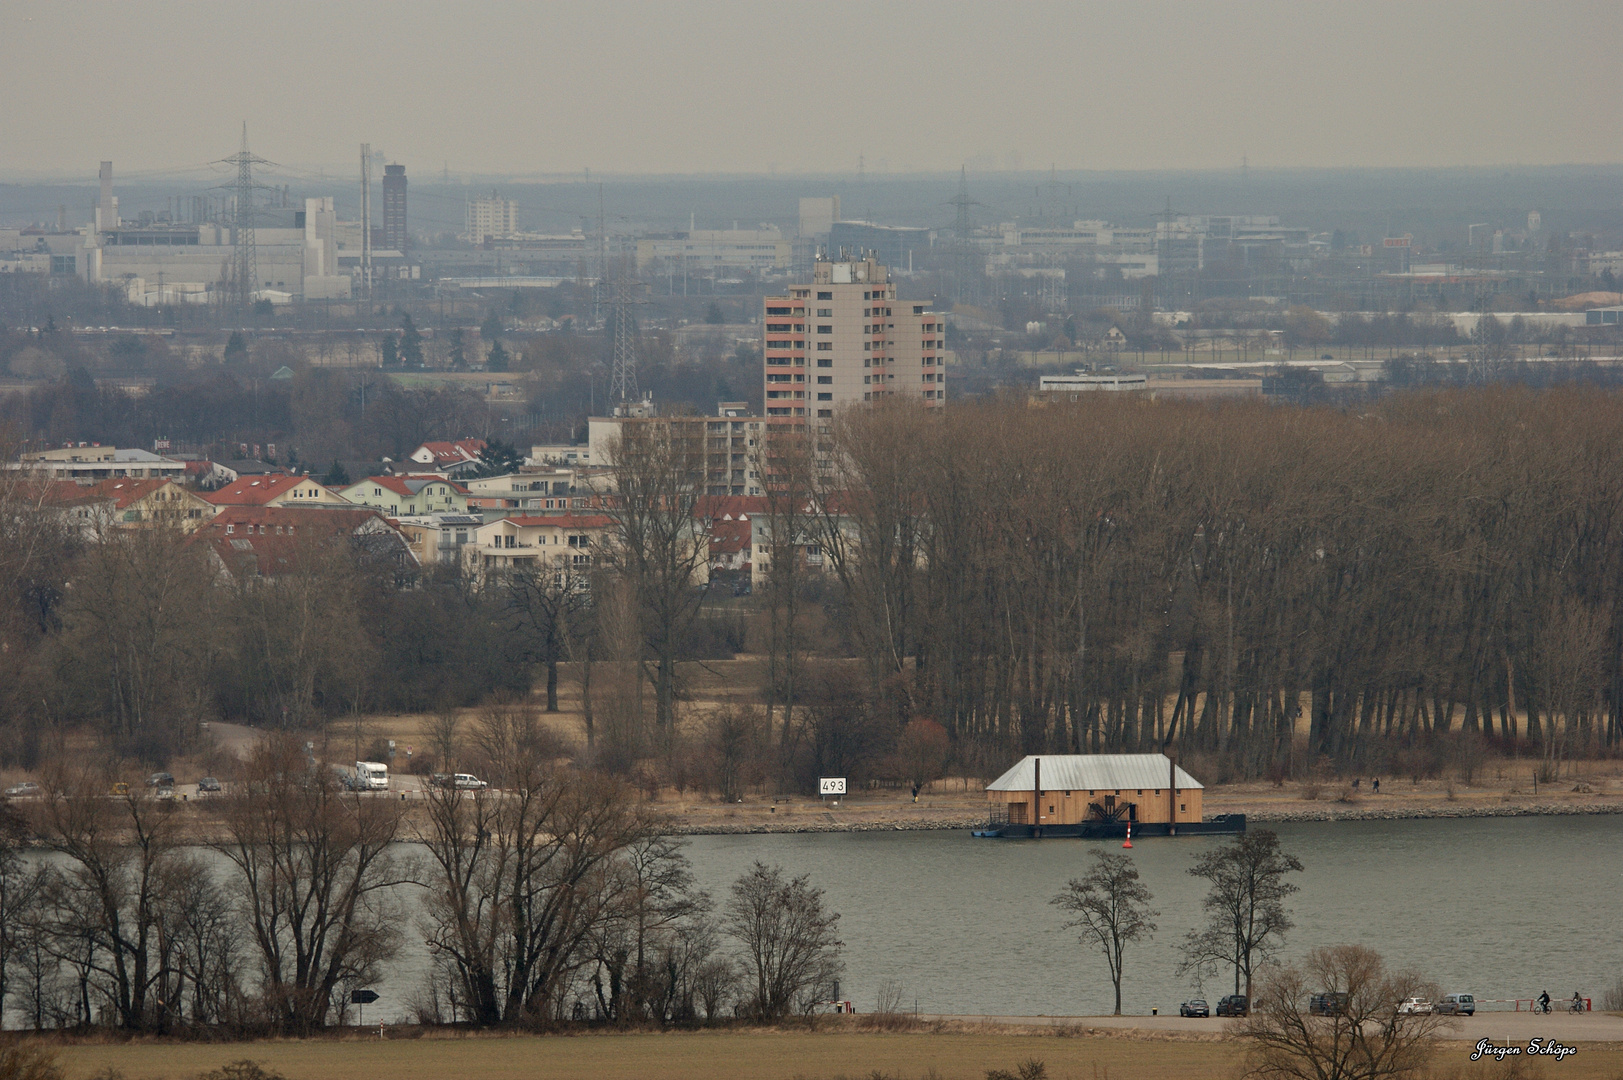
[[751, 1055], [952, 1052]]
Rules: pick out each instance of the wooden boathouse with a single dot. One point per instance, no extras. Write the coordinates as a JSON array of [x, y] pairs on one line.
[[1099, 795]]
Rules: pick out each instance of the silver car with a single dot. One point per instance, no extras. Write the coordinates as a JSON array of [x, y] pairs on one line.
[[1457, 1005]]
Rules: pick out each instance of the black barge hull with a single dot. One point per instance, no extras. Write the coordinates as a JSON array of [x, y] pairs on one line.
[[1221, 825]]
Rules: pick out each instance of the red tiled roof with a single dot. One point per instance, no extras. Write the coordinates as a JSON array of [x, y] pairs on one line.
[[126, 490], [396, 484], [269, 538], [255, 490], [61, 493], [453, 453]]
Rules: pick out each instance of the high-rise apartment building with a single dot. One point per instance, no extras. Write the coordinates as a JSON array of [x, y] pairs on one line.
[[491, 216], [394, 208], [844, 338]]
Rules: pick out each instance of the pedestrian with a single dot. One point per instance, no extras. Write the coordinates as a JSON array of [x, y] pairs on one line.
[[1377, 785], [1356, 781]]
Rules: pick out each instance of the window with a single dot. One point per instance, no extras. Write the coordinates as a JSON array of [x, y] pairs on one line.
[[777, 311], [825, 295], [825, 397], [779, 327], [774, 377], [825, 346], [824, 328], [825, 313], [229, 529], [780, 343], [822, 362], [825, 412], [824, 380]]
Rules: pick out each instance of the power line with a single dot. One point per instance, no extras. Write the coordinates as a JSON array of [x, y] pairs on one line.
[[244, 268]]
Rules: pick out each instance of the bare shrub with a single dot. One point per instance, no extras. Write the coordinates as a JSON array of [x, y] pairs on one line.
[[1029, 1069], [1611, 999], [1311, 790], [26, 1061]]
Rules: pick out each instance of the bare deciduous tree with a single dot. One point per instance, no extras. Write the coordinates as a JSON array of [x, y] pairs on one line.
[[1368, 1038], [316, 875], [791, 949], [1245, 906], [1111, 908]]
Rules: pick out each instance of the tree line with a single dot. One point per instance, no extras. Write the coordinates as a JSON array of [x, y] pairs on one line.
[[1114, 574], [556, 898]]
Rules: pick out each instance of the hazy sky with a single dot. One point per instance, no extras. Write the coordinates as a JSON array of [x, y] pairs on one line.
[[647, 87]]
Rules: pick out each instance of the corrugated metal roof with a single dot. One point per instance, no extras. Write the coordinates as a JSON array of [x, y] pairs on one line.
[[1092, 772]]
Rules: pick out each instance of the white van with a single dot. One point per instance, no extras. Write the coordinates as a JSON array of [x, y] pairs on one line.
[[371, 776]]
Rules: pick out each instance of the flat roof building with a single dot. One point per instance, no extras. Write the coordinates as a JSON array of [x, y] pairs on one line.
[[844, 338]]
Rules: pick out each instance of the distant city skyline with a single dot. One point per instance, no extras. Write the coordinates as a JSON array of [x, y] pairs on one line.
[[725, 88]]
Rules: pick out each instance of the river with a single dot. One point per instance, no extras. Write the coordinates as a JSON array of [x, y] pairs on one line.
[[1497, 907]]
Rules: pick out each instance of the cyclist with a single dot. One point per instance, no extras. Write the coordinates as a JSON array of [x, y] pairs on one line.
[[1577, 1002], [1544, 1001]]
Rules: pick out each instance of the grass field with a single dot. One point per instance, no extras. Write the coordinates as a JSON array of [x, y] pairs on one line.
[[756, 1055]]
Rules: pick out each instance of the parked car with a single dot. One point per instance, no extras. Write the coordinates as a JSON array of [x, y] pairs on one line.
[[1457, 1005], [1414, 1007], [1233, 1005], [461, 781], [160, 780], [25, 790], [1327, 1004], [207, 784], [1194, 1007]]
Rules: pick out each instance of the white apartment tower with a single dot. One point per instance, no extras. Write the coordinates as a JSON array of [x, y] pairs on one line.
[[491, 215], [844, 339]]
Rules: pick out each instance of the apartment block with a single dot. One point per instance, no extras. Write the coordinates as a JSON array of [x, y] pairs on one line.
[[491, 217], [844, 339]]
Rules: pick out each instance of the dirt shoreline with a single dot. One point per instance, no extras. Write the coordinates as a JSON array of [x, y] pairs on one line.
[[1265, 817], [961, 805]]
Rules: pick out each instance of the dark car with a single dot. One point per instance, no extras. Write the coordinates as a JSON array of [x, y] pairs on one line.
[[208, 783], [1327, 1004], [1194, 1007], [1233, 1005], [160, 779]]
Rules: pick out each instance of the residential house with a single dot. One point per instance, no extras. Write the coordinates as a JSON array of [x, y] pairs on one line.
[[276, 490], [154, 501], [439, 538], [268, 541], [456, 458], [537, 490], [728, 522], [77, 507], [93, 464], [409, 495], [555, 541], [808, 545]]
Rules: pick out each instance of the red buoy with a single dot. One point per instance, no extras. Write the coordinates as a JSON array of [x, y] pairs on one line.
[[1129, 842]]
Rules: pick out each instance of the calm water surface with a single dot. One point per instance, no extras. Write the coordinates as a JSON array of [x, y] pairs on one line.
[[1498, 907]]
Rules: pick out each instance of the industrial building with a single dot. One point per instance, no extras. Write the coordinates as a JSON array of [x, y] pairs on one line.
[[896, 246], [762, 250], [394, 208], [161, 261], [843, 338]]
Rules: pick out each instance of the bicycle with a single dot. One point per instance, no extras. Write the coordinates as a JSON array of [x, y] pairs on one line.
[[1540, 1006], [1576, 1005]]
